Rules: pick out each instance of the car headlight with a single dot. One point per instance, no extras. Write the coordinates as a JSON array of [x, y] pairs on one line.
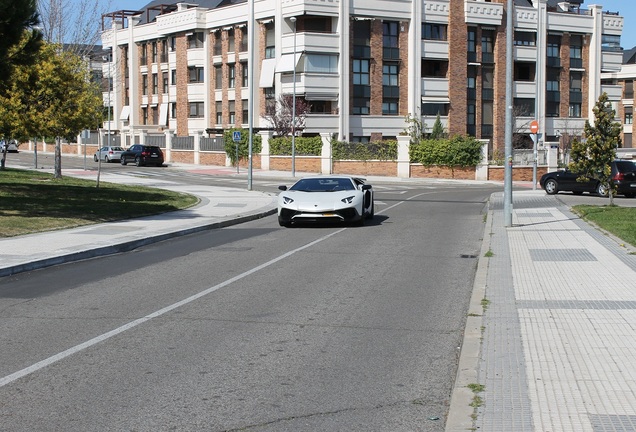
[[348, 200], [287, 200]]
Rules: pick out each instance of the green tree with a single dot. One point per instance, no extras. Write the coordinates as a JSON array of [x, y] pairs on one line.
[[438, 129], [592, 157], [53, 97], [17, 45]]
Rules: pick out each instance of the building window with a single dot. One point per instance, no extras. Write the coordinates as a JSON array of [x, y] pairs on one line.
[[470, 119], [244, 39], [195, 74], [576, 81], [524, 71], [390, 106], [575, 110], [154, 112], [173, 43], [553, 53], [143, 60], [155, 52], [523, 107], [232, 75], [219, 112], [232, 112], [173, 77], [321, 63], [270, 41], [629, 89], [390, 73], [472, 45], [552, 109], [144, 84], [244, 74], [195, 40], [487, 46], [552, 85], [434, 68], [231, 46], [246, 113], [525, 38], [144, 115], [165, 82], [360, 139], [361, 72], [361, 106], [434, 31], [629, 115], [218, 44], [610, 43], [362, 33], [173, 110], [390, 40], [218, 77], [196, 109], [434, 108], [164, 51], [155, 84]]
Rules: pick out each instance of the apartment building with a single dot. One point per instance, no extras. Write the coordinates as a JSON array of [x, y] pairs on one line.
[[363, 66], [622, 82]]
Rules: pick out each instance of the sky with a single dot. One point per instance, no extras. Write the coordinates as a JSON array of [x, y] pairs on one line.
[[624, 7]]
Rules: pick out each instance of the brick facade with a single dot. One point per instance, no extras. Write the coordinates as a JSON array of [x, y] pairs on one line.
[[457, 68], [183, 108]]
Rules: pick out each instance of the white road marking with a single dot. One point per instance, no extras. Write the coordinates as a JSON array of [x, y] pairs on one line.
[[94, 341]]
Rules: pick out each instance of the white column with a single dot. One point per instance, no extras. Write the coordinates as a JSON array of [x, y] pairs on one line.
[[326, 165], [481, 171], [197, 147], [343, 85], [404, 161], [594, 68], [265, 137], [168, 134]]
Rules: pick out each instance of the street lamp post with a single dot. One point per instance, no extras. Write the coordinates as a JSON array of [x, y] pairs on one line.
[[293, 168]]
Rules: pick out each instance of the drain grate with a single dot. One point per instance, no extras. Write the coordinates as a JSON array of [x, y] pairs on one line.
[[470, 256]]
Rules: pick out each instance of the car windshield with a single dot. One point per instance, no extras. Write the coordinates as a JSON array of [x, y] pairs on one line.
[[626, 166], [323, 185]]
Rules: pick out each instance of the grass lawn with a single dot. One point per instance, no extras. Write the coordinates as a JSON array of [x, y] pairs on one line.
[[32, 201], [620, 221]]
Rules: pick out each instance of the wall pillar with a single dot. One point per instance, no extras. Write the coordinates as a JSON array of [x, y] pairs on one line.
[[326, 164], [404, 160], [168, 134], [197, 147], [265, 137], [481, 171]]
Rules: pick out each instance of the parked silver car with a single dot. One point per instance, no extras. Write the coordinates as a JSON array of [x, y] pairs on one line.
[[108, 154], [11, 146]]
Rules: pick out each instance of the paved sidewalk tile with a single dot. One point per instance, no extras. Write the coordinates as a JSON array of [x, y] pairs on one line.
[[559, 341]]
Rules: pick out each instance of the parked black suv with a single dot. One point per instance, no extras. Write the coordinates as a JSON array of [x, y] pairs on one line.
[[142, 155], [623, 178]]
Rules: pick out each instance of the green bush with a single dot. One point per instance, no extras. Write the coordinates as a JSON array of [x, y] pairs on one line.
[[243, 145], [306, 146], [462, 151], [379, 150]]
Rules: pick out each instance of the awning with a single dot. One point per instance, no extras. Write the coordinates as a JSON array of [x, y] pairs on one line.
[[267, 73], [321, 96], [163, 114], [286, 63], [435, 99], [125, 112]]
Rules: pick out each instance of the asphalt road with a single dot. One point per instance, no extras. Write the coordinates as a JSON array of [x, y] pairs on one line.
[[253, 327]]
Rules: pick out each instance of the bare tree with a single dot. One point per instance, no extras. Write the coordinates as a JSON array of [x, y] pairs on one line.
[[280, 114], [74, 23]]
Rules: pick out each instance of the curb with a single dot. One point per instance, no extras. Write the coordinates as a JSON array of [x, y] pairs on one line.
[[129, 245], [460, 413]]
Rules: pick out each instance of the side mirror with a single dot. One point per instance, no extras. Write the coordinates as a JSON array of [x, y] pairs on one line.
[[283, 188], [366, 187]]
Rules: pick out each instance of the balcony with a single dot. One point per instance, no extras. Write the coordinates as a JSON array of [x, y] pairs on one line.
[[325, 43], [525, 53], [435, 87], [483, 13], [488, 57], [611, 61], [435, 49]]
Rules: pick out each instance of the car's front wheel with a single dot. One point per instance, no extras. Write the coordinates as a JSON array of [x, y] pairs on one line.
[[107, 159], [123, 161], [551, 186], [284, 223], [137, 161], [95, 158], [602, 190]]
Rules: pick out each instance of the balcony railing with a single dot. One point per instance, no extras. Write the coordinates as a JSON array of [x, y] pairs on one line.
[[576, 63], [554, 62], [576, 96], [488, 57], [553, 96], [487, 94], [486, 130]]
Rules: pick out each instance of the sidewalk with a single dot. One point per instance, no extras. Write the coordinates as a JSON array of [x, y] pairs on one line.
[[551, 330], [219, 207]]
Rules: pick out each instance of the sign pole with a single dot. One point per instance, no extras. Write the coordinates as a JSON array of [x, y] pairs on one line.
[[534, 129]]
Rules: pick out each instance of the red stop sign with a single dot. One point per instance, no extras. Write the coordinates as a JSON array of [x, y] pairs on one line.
[[534, 126]]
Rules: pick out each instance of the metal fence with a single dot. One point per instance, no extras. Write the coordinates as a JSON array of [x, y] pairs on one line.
[[212, 144], [156, 140], [523, 157], [183, 143]]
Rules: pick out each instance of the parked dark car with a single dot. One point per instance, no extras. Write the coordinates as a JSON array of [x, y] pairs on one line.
[[623, 178], [142, 155]]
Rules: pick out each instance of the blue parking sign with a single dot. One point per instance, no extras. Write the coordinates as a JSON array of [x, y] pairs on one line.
[[236, 136]]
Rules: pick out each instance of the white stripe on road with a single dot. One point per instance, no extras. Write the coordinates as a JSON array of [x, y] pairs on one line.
[[89, 343]]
